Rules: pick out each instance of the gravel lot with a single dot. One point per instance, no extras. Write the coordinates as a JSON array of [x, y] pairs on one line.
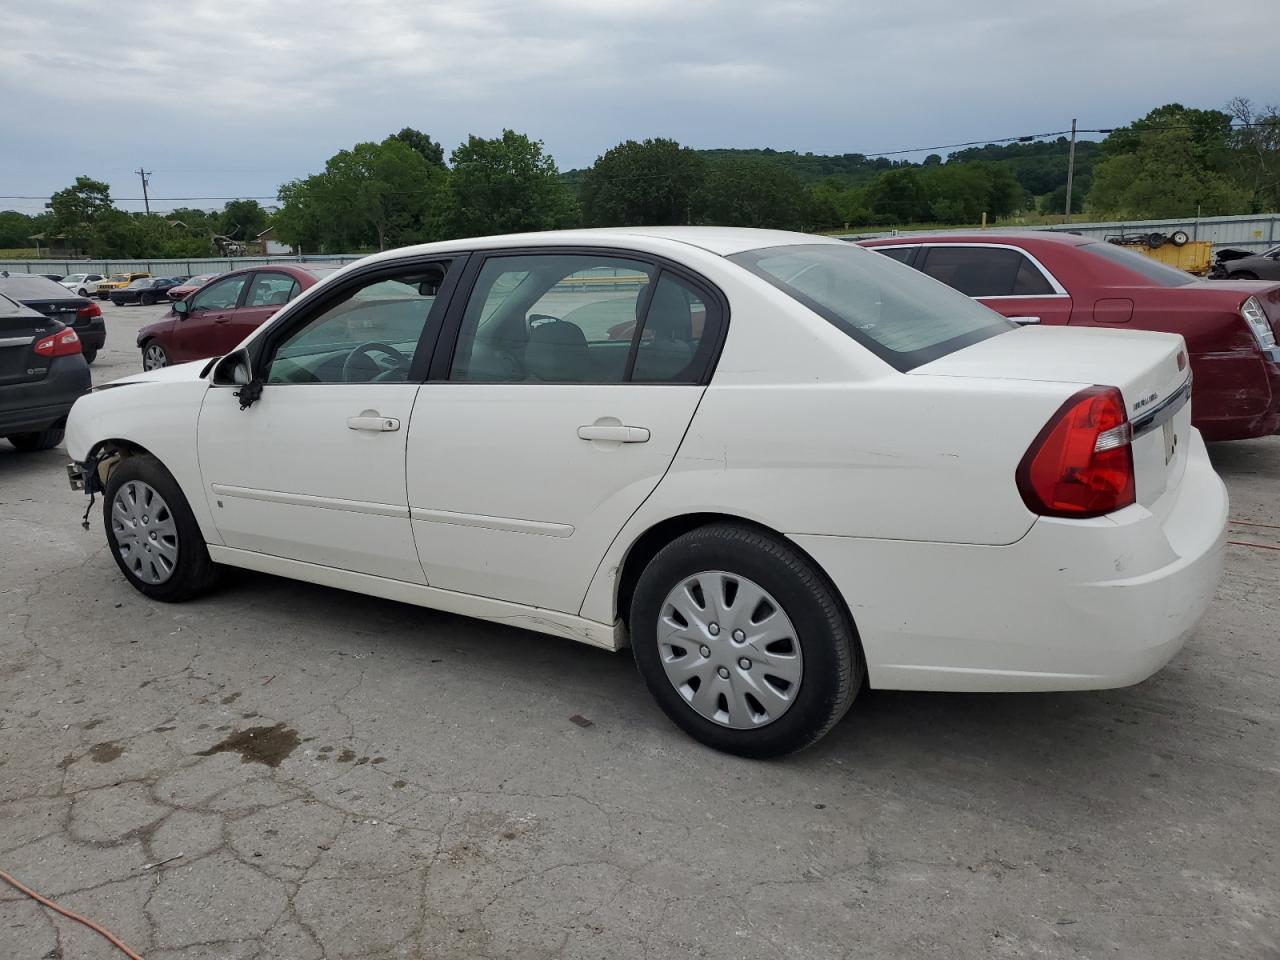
[[417, 785]]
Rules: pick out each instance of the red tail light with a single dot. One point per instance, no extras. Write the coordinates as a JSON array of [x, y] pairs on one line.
[[89, 311], [1081, 464], [64, 343]]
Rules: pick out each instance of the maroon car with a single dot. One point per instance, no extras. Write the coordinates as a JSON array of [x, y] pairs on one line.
[[190, 285], [214, 319], [1230, 327]]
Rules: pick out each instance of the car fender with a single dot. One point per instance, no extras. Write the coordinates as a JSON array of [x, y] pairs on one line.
[[156, 412]]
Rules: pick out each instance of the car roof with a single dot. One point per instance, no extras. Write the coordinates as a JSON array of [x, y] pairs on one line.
[[724, 241], [987, 236]]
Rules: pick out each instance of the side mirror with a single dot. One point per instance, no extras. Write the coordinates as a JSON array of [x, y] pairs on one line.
[[233, 370], [181, 308]]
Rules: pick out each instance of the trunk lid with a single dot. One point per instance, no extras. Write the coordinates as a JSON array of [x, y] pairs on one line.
[[20, 328], [1266, 292], [1144, 366]]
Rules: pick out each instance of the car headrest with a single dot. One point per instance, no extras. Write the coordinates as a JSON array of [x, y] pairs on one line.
[[557, 351]]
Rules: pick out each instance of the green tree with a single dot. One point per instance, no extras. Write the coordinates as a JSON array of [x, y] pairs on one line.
[[506, 185], [752, 192], [77, 208], [373, 195], [1255, 151], [898, 196], [242, 219], [16, 229], [431, 151], [1171, 162], [641, 183]]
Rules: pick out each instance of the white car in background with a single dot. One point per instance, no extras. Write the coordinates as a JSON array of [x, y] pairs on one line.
[[82, 284], [775, 465]]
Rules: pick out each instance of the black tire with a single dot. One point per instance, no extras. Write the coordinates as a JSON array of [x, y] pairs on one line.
[[82, 292], [37, 440], [1156, 240], [194, 573], [103, 296], [90, 355], [832, 656], [146, 299], [1180, 238]]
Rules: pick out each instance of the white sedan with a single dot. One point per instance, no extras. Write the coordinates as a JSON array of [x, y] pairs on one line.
[[82, 284], [775, 465]]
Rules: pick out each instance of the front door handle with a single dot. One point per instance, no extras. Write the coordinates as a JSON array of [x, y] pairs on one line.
[[374, 423], [615, 432], [1024, 321], [221, 318]]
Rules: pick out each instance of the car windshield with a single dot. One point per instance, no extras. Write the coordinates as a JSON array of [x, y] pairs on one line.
[[119, 278], [900, 315], [1151, 270], [139, 284]]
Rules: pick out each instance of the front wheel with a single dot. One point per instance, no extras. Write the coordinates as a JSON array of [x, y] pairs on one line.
[[152, 533], [153, 356], [743, 643], [37, 440], [82, 292]]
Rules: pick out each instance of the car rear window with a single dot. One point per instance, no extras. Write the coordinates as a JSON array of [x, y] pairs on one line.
[[1153, 270], [32, 287], [900, 315]]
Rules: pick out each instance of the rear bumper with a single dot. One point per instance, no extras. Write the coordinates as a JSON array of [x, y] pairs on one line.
[[1073, 605], [28, 407], [93, 334], [1266, 388]]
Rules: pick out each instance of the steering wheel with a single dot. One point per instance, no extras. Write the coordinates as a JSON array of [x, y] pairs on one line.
[[393, 361]]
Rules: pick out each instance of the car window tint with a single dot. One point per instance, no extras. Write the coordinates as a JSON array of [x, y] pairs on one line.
[[1156, 272], [370, 336], [974, 271], [1030, 281], [222, 295], [270, 290], [677, 337], [883, 305], [559, 318], [901, 254]]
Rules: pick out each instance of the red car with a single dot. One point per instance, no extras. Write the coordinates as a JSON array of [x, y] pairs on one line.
[[215, 318], [1060, 278], [190, 286]]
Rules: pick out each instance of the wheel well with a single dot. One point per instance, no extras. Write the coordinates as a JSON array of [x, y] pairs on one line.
[[105, 455], [660, 534]]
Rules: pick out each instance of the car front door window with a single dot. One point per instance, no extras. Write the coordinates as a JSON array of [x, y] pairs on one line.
[[370, 336], [223, 295]]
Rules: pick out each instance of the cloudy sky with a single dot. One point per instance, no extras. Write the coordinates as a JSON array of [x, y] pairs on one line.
[[224, 98]]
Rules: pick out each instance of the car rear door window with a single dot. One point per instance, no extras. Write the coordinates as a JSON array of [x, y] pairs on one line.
[[979, 271], [678, 334], [271, 290], [554, 318], [901, 254]]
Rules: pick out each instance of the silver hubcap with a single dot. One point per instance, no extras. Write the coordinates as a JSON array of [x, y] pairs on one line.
[[730, 650], [145, 532], [153, 358]]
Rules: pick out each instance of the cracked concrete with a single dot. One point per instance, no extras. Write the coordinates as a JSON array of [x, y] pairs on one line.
[[441, 803]]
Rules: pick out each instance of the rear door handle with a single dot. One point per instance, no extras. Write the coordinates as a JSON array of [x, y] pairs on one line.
[[616, 433], [1024, 321], [376, 424]]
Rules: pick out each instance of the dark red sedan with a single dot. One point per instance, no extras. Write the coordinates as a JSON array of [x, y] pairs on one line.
[[1231, 327], [215, 318]]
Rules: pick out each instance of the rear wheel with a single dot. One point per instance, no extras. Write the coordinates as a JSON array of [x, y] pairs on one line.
[[36, 440], [153, 356], [153, 534], [743, 643]]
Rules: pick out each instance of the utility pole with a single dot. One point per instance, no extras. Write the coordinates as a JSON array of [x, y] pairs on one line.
[[1071, 169], [146, 178]]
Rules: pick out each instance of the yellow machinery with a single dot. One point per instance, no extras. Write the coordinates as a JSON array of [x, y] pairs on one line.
[[1175, 249]]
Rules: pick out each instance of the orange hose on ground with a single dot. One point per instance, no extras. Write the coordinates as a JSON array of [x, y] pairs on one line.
[[1260, 546], [110, 937]]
